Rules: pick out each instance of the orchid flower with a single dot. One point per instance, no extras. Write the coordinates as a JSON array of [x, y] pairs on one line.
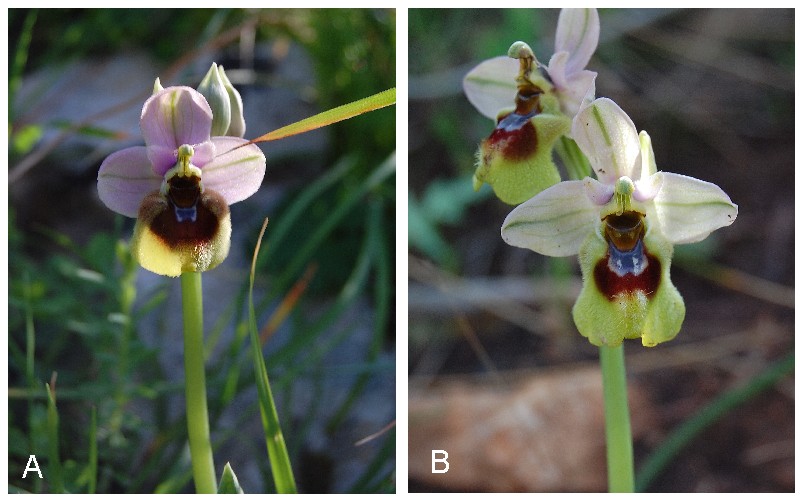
[[516, 159], [179, 185], [623, 226], [490, 85]]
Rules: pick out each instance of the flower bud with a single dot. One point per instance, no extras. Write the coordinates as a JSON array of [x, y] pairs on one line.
[[237, 126], [213, 89], [157, 86]]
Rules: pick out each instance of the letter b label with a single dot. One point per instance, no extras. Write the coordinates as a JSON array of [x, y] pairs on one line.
[[437, 457]]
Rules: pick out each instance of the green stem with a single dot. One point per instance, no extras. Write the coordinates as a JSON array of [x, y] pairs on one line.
[[575, 162], [619, 445], [205, 479]]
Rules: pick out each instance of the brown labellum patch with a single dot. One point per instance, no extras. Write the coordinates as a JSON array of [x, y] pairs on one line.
[[187, 217], [514, 138], [611, 285]]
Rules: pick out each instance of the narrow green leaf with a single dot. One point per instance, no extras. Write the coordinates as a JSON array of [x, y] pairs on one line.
[[228, 483], [306, 198], [88, 130], [355, 196], [93, 452], [686, 433], [56, 475], [379, 259], [276, 446], [20, 57], [349, 110]]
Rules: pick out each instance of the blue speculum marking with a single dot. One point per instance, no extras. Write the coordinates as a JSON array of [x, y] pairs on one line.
[[186, 214], [633, 261], [514, 121]]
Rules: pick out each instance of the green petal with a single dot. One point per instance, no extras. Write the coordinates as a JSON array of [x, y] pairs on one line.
[[648, 156], [237, 126]]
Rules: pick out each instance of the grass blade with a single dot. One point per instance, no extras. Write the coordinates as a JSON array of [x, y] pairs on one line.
[[349, 110], [93, 453], [380, 258], [276, 446], [56, 474], [703, 419], [228, 483], [385, 170], [20, 58]]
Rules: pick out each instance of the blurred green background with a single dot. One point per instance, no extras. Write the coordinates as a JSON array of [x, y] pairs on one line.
[[715, 91], [107, 334]]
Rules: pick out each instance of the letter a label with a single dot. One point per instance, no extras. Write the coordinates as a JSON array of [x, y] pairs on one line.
[[35, 467]]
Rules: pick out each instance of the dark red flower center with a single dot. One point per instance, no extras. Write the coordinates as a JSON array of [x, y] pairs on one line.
[[187, 220]]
